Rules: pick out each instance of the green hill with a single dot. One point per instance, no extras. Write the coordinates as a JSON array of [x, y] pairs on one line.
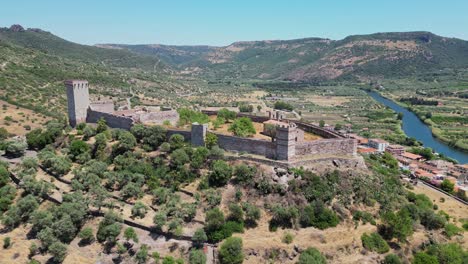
[[34, 64], [381, 55]]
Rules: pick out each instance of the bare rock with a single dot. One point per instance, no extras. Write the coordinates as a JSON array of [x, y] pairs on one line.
[[16, 28]]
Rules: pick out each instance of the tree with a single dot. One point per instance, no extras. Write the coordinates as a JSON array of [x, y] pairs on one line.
[[58, 251], [447, 186], [130, 234], [176, 141], [86, 235], [197, 257], [252, 214], [230, 251], [311, 256], [244, 173], [142, 255], [242, 127], [398, 225], [280, 105], [214, 219], [15, 148], [139, 210], [211, 140], [424, 258], [109, 228], [244, 108], [160, 219], [392, 259], [259, 108], [199, 237], [77, 148], [374, 242], [4, 176], [101, 125], [338, 126], [64, 229], [46, 236], [226, 114], [400, 116], [179, 157], [321, 123], [221, 173], [317, 215], [450, 253], [236, 213]]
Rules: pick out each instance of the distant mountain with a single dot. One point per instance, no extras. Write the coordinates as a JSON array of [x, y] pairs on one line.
[[380, 55]]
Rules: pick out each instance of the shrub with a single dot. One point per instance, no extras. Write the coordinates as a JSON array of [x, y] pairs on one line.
[[86, 235], [142, 255], [287, 238], [311, 255], [317, 215], [392, 259], [451, 230], [6, 242], [130, 234], [139, 210], [244, 173], [230, 251], [374, 242], [15, 148], [58, 251], [199, 237], [424, 258], [280, 105], [242, 127], [226, 114], [197, 256], [220, 174]]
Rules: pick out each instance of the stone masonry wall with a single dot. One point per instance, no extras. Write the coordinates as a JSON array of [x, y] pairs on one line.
[[112, 121], [345, 146], [249, 145]]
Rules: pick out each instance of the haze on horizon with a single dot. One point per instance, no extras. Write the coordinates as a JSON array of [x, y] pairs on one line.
[[219, 23]]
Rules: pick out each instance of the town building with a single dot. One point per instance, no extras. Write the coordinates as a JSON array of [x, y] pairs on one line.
[[378, 144]]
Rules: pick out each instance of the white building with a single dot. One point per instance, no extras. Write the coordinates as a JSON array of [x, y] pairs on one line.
[[379, 144]]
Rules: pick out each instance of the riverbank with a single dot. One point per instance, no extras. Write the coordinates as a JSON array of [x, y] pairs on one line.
[[415, 127]]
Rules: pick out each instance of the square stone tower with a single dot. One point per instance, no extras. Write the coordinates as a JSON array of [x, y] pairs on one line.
[[286, 141], [78, 101], [198, 134]]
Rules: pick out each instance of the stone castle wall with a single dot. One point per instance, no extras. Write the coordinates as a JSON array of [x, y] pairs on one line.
[[249, 145], [344, 146], [113, 121]]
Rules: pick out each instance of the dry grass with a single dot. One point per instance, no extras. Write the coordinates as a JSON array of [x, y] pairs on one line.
[[21, 117]]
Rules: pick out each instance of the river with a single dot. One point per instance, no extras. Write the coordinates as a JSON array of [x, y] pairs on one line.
[[414, 127]]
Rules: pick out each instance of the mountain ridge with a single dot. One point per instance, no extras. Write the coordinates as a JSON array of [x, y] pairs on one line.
[[384, 54]]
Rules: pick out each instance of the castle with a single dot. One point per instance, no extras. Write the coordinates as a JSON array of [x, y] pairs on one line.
[[287, 144], [81, 110]]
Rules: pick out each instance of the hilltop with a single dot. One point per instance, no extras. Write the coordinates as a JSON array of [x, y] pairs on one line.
[[34, 63], [360, 57]]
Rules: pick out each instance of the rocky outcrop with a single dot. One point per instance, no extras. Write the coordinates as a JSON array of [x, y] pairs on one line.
[[16, 28]]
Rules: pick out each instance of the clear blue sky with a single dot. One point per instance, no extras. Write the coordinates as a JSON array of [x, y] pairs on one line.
[[221, 22]]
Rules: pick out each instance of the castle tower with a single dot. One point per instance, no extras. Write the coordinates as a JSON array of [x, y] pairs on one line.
[[198, 134], [286, 141], [78, 101]]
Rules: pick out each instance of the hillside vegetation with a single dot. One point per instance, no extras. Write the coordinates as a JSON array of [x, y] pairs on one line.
[[316, 59], [34, 64]]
